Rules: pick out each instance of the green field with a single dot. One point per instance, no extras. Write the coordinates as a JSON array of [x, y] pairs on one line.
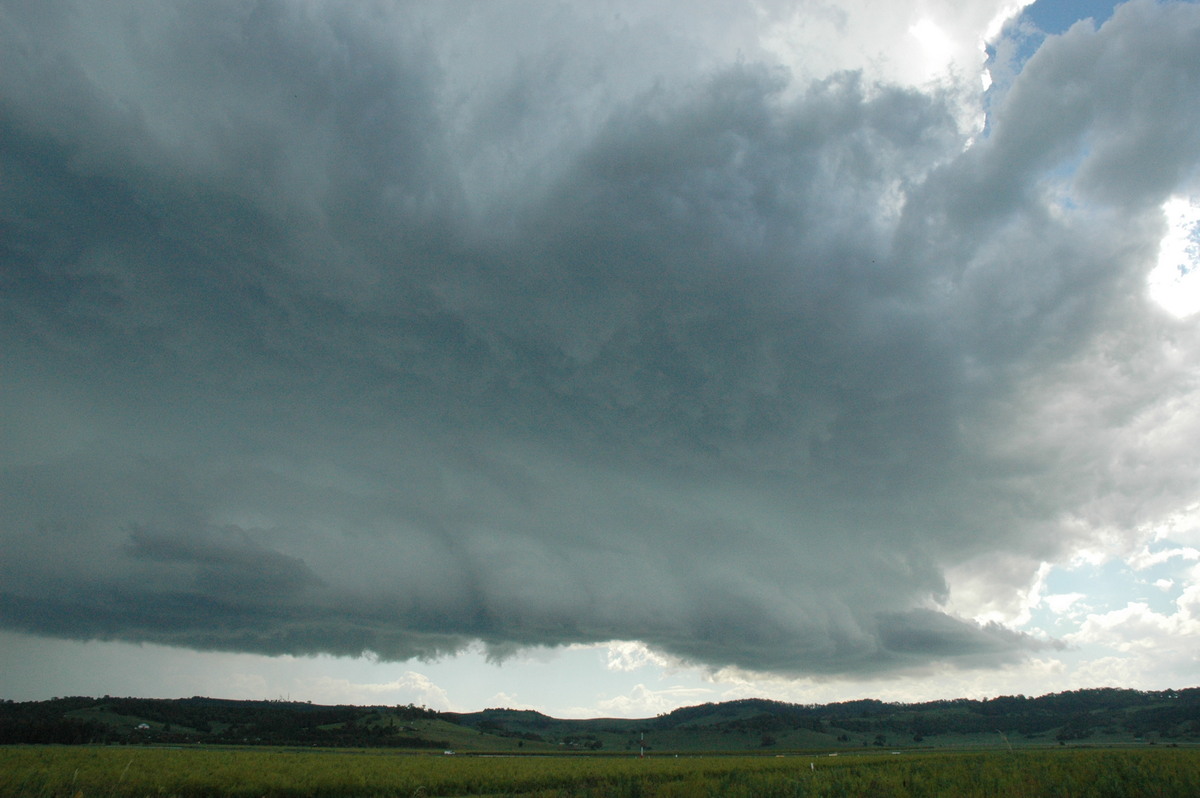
[[119, 771]]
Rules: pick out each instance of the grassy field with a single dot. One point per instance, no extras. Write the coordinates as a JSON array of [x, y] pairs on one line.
[[120, 771]]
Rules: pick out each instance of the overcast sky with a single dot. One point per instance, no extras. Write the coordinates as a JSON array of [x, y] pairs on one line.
[[598, 357]]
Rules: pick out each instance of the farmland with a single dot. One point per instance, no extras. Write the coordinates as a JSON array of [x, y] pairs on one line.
[[118, 771]]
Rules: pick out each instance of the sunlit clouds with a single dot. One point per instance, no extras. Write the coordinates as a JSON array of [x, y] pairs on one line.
[[1172, 282]]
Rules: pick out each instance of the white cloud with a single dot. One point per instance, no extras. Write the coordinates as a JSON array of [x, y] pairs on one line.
[[1174, 283], [1063, 603], [993, 589], [410, 688], [1145, 558], [631, 655], [911, 43], [1160, 642], [643, 701]]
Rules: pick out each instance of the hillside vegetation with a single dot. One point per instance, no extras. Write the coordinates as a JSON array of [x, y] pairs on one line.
[[1101, 716]]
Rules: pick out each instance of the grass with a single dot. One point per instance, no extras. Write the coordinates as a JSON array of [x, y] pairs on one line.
[[125, 772]]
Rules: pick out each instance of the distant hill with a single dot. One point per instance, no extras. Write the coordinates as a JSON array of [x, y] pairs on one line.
[[1106, 715], [1100, 715]]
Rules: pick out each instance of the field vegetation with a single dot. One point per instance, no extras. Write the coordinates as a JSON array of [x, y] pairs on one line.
[[117, 772], [1103, 716], [1093, 743]]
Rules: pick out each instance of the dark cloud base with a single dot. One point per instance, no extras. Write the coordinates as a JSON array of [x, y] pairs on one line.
[[302, 357]]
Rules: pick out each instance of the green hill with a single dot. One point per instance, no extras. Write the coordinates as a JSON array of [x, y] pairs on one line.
[[1105, 715]]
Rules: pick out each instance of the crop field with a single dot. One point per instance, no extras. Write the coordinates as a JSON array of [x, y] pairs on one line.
[[119, 771]]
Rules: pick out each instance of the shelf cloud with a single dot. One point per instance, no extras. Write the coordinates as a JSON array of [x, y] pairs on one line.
[[350, 329]]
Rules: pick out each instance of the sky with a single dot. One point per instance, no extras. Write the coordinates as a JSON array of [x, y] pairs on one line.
[[598, 358]]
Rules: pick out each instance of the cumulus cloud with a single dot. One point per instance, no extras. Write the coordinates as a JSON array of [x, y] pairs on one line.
[[643, 701], [631, 655], [1136, 628], [346, 329]]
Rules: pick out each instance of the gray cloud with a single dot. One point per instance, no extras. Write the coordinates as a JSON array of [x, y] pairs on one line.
[[312, 344]]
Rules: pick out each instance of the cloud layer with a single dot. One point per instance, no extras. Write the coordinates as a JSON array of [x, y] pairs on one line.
[[350, 329]]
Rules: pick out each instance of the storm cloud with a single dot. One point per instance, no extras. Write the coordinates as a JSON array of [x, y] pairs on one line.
[[348, 329]]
